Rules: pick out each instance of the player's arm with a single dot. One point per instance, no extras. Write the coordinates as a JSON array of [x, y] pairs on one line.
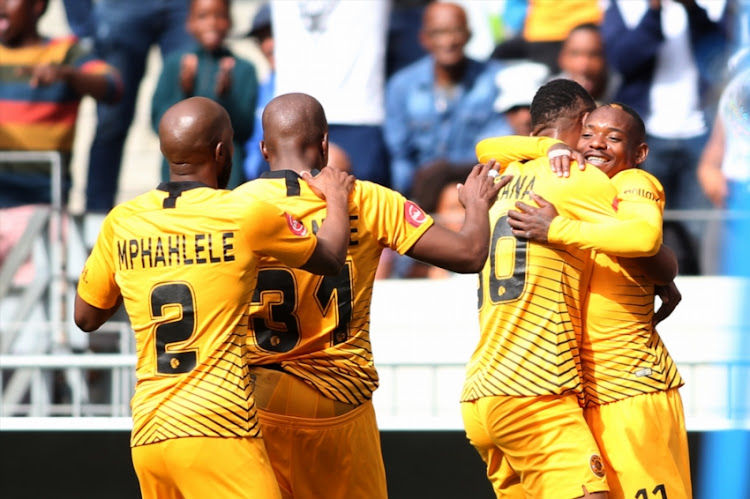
[[661, 268], [464, 251], [510, 148], [329, 255], [506, 150], [634, 229], [90, 318], [97, 297]]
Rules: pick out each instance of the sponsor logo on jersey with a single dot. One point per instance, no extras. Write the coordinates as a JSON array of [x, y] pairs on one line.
[[295, 226], [597, 465], [414, 214]]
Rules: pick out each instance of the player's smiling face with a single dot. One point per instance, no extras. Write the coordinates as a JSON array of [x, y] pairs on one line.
[[607, 140]]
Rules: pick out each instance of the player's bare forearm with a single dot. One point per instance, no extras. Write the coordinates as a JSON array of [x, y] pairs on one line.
[[90, 318], [464, 251]]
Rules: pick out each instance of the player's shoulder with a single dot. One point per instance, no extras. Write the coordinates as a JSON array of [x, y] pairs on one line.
[[640, 183], [637, 175]]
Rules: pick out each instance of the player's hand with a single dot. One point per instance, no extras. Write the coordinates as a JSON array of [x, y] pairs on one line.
[[330, 183], [531, 222], [670, 297], [45, 74], [482, 185], [224, 76], [561, 155], [714, 185], [188, 70]]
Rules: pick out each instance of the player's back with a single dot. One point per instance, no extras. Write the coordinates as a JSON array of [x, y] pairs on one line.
[[185, 264], [317, 327], [621, 352], [530, 294]]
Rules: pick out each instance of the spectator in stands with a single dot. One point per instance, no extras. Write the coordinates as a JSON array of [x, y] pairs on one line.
[[262, 32], [436, 192], [440, 106], [663, 50], [338, 158], [123, 33], [517, 83], [724, 169], [543, 26], [403, 47], [582, 59], [335, 51], [42, 82], [210, 70]]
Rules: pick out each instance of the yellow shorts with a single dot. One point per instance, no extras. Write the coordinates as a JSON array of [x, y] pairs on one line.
[[644, 445], [200, 467], [318, 448], [541, 442]]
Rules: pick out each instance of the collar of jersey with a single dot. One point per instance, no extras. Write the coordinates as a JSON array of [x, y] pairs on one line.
[[178, 187]]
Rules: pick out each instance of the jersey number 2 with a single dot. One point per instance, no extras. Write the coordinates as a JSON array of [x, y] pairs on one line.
[[173, 294]]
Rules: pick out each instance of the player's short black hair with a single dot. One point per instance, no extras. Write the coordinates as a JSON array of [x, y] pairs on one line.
[[585, 27], [555, 99], [228, 3], [638, 126]]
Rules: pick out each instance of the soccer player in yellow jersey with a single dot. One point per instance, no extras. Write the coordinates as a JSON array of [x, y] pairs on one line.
[[183, 258], [310, 334], [520, 401], [632, 402]]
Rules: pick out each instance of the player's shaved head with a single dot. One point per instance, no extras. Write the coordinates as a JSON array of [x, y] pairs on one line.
[[295, 120], [295, 129], [190, 134]]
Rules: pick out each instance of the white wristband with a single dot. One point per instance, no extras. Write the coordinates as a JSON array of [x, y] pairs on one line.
[[557, 153]]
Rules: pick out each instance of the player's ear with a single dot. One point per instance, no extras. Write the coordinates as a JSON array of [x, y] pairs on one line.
[[220, 152], [641, 153], [263, 149], [324, 148]]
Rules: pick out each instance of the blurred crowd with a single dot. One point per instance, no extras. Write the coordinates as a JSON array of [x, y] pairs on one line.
[[409, 87]]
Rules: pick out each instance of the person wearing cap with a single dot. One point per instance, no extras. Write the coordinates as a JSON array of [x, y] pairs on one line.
[[262, 33], [517, 85]]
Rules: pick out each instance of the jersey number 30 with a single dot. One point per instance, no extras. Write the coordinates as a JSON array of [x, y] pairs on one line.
[[510, 287]]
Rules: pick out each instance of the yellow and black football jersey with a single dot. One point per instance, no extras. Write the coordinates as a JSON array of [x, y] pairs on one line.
[[621, 352], [184, 257], [317, 327], [531, 295]]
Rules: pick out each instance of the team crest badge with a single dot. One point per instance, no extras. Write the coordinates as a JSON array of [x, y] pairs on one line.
[[597, 465], [295, 226], [414, 214]]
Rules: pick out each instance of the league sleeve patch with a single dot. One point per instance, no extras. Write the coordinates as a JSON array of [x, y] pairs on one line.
[[297, 228], [414, 214], [597, 465]]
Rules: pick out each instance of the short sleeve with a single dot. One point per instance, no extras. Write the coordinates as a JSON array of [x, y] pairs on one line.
[[393, 220], [276, 233], [97, 285]]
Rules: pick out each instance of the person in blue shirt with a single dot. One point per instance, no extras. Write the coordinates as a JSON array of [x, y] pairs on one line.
[[439, 107]]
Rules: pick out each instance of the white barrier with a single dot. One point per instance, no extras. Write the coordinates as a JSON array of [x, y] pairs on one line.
[[423, 332]]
